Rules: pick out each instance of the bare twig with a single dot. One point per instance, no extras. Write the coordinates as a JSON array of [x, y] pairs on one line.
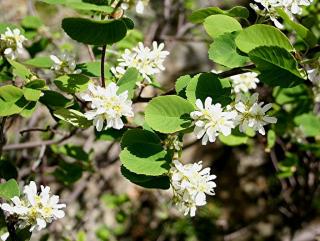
[[2, 134], [29, 145], [35, 129], [103, 56]]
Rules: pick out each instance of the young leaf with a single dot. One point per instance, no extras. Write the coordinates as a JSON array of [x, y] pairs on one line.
[[309, 124], [72, 83], [142, 153], [277, 66], [31, 94], [209, 85], [224, 51], [40, 62], [181, 85], [54, 100], [95, 32], [261, 35], [9, 189], [73, 117], [11, 100], [219, 24], [168, 114], [128, 81], [200, 15], [301, 30], [20, 70], [159, 182], [31, 22]]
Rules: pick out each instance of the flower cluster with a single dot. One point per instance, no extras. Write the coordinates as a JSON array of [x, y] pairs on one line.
[[211, 120], [11, 43], [34, 210], [190, 184], [291, 7], [65, 64], [244, 82], [252, 114], [107, 106], [148, 62]]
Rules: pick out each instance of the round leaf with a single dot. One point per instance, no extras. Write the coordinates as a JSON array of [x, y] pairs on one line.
[[261, 35], [219, 24], [95, 32], [209, 85], [142, 153], [168, 114]]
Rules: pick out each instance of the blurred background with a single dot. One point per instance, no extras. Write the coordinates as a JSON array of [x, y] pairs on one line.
[[252, 201]]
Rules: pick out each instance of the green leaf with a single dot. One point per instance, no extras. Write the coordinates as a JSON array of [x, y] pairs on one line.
[[31, 94], [224, 51], [93, 69], [40, 62], [31, 22], [20, 70], [95, 32], [36, 84], [181, 85], [158, 182], [54, 100], [307, 36], [200, 15], [68, 173], [9, 189], [262, 35], [8, 170], [110, 134], [309, 124], [72, 83], [28, 109], [142, 153], [295, 95], [11, 100], [76, 152], [277, 67], [209, 85], [128, 81], [73, 117], [80, 5], [219, 24], [271, 138], [168, 114], [235, 139]]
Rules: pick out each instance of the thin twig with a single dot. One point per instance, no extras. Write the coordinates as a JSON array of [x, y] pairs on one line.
[[35, 129], [2, 134], [103, 56], [29, 145]]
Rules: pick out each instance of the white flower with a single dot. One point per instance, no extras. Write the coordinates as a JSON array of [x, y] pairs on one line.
[[107, 106], [148, 62], [252, 114], [244, 82], [4, 236], [190, 185], [11, 43], [211, 120], [140, 7], [291, 7], [35, 210], [66, 64]]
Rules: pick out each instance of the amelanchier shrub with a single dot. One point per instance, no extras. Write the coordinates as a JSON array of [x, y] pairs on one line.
[[214, 105]]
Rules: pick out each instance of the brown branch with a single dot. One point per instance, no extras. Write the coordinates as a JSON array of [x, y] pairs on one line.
[[225, 74], [29, 145], [103, 56], [2, 134], [35, 129]]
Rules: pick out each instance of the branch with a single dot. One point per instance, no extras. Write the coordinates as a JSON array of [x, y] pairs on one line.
[[225, 74], [2, 134], [29, 145], [103, 56]]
